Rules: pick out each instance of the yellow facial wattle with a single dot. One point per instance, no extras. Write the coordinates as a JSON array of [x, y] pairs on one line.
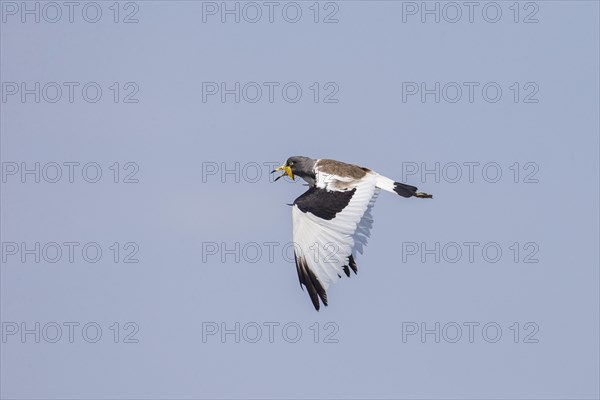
[[287, 171]]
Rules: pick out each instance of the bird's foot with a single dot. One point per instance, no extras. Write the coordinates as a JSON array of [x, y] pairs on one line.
[[422, 195]]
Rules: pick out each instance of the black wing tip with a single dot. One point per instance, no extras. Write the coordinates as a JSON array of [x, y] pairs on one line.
[[315, 295], [346, 271], [409, 191], [404, 190], [316, 304], [353, 264], [310, 281]]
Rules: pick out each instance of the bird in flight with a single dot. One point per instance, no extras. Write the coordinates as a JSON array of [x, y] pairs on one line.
[[332, 219]]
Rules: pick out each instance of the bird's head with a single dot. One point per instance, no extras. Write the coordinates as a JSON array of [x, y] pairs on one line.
[[297, 165]]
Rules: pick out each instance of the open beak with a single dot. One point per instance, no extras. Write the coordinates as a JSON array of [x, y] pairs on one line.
[[286, 171]]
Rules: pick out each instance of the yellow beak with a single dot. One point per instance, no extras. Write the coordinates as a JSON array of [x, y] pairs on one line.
[[287, 171]]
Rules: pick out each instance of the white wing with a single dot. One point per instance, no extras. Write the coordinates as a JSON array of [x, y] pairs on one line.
[[328, 225], [363, 230]]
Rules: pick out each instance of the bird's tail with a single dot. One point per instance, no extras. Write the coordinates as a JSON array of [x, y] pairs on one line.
[[399, 188]]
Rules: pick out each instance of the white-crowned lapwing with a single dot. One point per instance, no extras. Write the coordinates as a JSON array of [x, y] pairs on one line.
[[332, 219]]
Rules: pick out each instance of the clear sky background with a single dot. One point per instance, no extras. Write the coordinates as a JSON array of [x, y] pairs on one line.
[[179, 213]]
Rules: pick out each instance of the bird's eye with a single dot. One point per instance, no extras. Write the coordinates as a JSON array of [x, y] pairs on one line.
[[291, 163]]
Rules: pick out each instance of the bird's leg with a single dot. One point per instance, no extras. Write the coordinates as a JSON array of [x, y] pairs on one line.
[[423, 195]]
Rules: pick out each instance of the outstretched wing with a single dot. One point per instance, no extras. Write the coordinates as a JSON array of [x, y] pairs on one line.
[[328, 224]]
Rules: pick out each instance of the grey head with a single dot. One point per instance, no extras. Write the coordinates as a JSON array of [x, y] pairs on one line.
[[303, 167], [298, 166]]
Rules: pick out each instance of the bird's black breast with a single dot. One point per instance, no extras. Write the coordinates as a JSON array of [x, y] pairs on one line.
[[324, 203]]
